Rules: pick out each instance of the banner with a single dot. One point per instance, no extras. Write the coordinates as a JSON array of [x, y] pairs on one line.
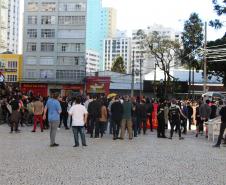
[[98, 85]]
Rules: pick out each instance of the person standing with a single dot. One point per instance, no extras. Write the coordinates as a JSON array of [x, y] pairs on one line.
[[54, 110], [64, 113], [38, 109], [143, 116], [149, 110], [223, 126], [79, 119], [94, 113], [127, 118], [161, 121], [204, 111], [103, 118], [15, 117], [174, 117], [116, 116], [190, 113]]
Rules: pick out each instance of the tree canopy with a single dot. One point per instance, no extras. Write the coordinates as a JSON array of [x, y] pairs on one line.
[[192, 38], [118, 65], [220, 9]]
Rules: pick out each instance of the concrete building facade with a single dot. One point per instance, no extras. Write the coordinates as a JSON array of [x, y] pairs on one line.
[[12, 69], [115, 47], [3, 25], [54, 41], [13, 25]]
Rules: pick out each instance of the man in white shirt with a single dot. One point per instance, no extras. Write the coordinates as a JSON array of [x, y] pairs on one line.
[[79, 119]]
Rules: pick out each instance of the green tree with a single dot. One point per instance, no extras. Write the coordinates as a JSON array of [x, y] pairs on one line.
[[192, 38], [118, 65], [220, 9], [163, 49], [217, 59]]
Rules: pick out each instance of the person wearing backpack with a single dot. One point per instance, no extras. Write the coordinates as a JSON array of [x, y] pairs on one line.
[[174, 118]]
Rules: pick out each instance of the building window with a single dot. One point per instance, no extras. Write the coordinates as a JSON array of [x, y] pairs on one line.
[[72, 7], [71, 47], [30, 74], [12, 64], [32, 20], [31, 60], [71, 34], [11, 78], [48, 7], [70, 74], [46, 73], [46, 61], [48, 33], [32, 33], [32, 6], [71, 20], [72, 61], [47, 47], [48, 20], [31, 46]]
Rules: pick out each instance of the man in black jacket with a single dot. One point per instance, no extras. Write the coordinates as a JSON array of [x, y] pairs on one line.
[[94, 113], [116, 115], [223, 126]]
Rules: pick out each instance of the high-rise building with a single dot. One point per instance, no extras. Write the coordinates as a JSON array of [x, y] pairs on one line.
[[13, 25], [115, 47], [3, 25], [93, 33], [108, 29], [92, 62], [54, 41]]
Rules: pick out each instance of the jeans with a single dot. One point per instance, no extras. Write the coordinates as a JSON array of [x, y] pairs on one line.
[[81, 131]]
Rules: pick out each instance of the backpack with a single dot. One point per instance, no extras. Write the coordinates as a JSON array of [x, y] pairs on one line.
[[174, 112]]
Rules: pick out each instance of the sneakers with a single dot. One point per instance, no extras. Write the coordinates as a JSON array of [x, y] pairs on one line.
[[216, 146], [54, 145], [181, 138]]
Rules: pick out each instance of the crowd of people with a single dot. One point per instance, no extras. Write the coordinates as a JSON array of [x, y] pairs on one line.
[[96, 115]]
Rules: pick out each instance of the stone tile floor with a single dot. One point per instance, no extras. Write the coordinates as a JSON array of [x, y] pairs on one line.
[[26, 158]]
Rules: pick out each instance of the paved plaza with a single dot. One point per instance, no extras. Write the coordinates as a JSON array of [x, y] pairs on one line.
[[26, 158]]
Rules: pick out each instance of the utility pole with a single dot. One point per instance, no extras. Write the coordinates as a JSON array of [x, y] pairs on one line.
[[140, 78], [205, 61], [132, 84]]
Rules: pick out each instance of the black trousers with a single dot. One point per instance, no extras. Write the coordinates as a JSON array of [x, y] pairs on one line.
[[174, 123], [63, 117], [144, 124], [222, 128], [161, 128], [116, 128], [94, 124]]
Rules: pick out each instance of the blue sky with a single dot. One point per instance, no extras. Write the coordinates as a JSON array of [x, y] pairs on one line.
[[134, 14]]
